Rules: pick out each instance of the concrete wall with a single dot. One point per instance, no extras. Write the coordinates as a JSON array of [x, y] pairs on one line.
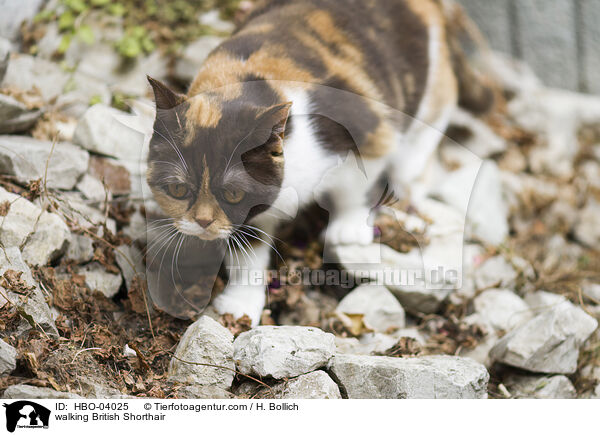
[[560, 39]]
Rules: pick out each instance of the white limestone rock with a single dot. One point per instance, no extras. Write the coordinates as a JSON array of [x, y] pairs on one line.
[[282, 351]]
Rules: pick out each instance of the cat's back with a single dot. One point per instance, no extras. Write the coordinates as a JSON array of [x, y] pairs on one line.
[[375, 48]]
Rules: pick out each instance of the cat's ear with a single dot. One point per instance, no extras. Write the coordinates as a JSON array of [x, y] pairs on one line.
[[276, 118], [164, 97]]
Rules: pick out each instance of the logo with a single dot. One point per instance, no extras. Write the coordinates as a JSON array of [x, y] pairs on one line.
[[26, 414]]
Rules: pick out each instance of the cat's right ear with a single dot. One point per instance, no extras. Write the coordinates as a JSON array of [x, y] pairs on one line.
[[164, 97]]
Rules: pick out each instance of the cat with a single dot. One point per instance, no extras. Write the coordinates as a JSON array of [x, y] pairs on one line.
[[285, 111]]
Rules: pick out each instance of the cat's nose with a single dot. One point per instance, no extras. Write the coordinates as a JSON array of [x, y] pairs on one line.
[[204, 223]]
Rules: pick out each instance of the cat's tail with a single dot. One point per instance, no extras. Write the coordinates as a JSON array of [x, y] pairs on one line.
[[468, 48]]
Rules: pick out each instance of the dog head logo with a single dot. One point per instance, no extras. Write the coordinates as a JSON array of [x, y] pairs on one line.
[[26, 414]]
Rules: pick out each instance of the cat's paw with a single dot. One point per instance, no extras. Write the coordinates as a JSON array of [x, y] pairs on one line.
[[350, 229], [240, 300]]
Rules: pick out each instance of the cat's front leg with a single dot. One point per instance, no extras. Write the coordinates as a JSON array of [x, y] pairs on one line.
[[347, 189], [245, 292]]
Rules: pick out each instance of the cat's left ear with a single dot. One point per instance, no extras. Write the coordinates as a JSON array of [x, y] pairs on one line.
[[164, 97], [276, 117]]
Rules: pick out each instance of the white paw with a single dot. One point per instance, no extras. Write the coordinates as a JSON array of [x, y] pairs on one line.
[[349, 229], [239, 300]]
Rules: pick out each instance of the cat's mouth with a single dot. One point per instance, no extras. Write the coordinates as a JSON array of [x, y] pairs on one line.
[[193, 229]]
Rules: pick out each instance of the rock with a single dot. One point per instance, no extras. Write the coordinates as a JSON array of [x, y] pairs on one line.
[[15, 116], [41, 236], [540, 387], [102, 130], [541, 301], [129, 260], [213, 19], [476, 191], [587, 230], [315, 385], [503, 309], [190, 61], [97, 278], [375, 261], [282, 351], [79, 93], [31, 392], [380, 308], [495, 272], [375, 342], [5, 47], [26, 158], [32, 308], [13, 15], [26, 73], [548, 343], [592, 291], [81, 249], [429, 377], [8, 358], [203, 392], [93, 189], [115, 176], [481, 351], [205, 341]]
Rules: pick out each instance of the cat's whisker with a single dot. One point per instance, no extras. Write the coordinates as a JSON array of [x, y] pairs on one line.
[[173, 144], [167, 239], [254, 236]]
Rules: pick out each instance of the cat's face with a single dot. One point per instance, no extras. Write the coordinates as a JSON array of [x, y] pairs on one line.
[[214, 163]]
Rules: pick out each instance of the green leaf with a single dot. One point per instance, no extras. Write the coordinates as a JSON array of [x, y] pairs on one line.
[[129, 47], [96, 99], [147, 45], [76, 5], [86, 34], [66, 21], [99, 2], [44, 15], [117, 9], [65, 42]]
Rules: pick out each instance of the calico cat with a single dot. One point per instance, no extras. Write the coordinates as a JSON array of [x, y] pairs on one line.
[[303, 97]]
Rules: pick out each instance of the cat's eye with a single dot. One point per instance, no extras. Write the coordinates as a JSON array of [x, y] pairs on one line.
[[178, 190], [233, 196]]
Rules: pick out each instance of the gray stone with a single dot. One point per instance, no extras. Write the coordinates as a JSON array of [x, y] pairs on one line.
[[41, 236], [493, 18], [97, 278], [27, 73], [15, 116], [542, 302], [33, 307], [548, 41], [5, 47], [79, 92], [592, 291], [93, 189], [503, 309], [380, 308], [81, 249], [548, 343], [204, 342], [587, 229], [540, 387], [315, 385], [129, 260], [590, 15], [372, 262], [102, 130], [282, 351], [8, 358], [430, 377], [14, 12], [26, 158], [213, 20], [495, 272], [203, 392], [190, 61], [31, 392]]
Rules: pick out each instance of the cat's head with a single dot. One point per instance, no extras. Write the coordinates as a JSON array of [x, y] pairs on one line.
[[215, 162]]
